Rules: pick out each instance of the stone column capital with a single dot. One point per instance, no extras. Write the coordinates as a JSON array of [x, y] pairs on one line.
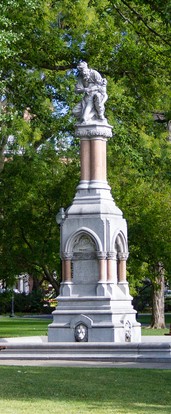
[[66, 256], [123, 256], [101, 255], [111, 255]]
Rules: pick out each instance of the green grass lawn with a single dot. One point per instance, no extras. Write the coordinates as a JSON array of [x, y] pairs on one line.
[[13, 327], [39, 390], [155, 332], [145, 320], [19, 326]]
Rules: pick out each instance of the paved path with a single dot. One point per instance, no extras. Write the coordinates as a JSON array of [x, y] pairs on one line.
[[86, 364]]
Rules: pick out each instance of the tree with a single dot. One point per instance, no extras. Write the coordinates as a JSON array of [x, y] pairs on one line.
[[129, 43], [31, 47], [33, 188], [142, 189]]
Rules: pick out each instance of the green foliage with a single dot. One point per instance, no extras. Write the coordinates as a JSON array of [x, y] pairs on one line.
[[32, 303], [37, 188], [167, 304], [141, 187], [41, 43], [5, 302], [143, 299]]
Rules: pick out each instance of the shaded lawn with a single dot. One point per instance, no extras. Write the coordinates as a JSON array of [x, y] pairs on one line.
[[25, 390], [145, 319]]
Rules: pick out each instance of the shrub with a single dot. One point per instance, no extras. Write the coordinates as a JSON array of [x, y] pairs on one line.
[[168, 304], [5, 302], [32, 303]]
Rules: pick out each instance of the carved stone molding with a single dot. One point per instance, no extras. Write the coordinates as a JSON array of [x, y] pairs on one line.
[[122, 256], [83, 244], [81, 333], [94, 130], [112, 255], [66, 256], [84, 256], [128, 331], [101, 255]]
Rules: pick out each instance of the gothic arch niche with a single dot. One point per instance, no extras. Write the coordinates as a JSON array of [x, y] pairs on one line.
[[83, 243], [85, 267]]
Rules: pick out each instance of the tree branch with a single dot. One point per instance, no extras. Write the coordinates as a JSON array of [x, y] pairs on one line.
[[3, 143], [51, 279], [26, 241], [47, 65], [145, 23]]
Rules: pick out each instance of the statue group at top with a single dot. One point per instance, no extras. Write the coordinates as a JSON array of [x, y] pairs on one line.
[[91, 108]]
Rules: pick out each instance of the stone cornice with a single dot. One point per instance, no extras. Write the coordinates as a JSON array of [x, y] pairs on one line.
[[93, 130]]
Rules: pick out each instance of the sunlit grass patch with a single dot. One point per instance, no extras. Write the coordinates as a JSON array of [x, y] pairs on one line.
[[39, 390], [14, 327]]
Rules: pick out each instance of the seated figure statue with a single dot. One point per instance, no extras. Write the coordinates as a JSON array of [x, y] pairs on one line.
[[91, 83]]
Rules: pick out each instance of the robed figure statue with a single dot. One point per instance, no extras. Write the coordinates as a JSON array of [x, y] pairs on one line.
[[93, 86]]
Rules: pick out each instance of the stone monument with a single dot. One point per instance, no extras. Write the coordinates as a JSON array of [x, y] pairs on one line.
[[94, 304]]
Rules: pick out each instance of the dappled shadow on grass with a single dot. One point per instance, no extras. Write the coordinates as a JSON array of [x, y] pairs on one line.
[[98, 389]]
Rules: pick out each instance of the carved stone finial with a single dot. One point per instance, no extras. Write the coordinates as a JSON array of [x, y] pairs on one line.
[[93, 86]]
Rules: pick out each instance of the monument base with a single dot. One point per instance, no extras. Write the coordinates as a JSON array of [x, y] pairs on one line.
[[94, 319]]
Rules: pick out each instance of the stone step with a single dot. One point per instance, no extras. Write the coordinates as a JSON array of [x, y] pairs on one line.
[[153, 352]]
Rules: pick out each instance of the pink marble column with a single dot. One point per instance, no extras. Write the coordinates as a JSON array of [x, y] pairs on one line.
[[67, 275], [122, 258], [85, 159], [98, 159], [104, 162], [68, 270]]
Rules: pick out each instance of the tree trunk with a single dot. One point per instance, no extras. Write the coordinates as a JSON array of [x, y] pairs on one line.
[[51, 280], [3, 143], [35, 283], [2, 159], [158, 317]]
